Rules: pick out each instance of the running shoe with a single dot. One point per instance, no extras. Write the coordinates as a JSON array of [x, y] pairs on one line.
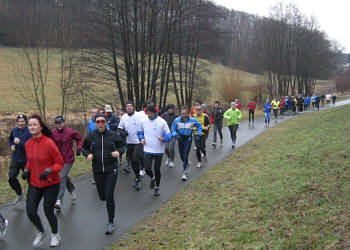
[[73, 195], [137, 184], [156, 191], [39, 239], [55, 240], [58, 205], [127, 169], [233, 145], [152, 183], [3, 228], [110, 228], [166, 162], [142, 172], [199, 165], [17, 200], [93, 182], [214, 144], [171, 164], [184, 177]]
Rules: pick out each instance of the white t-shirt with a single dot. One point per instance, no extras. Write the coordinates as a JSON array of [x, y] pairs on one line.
[[328, 96], [131, 124], [151, 130]]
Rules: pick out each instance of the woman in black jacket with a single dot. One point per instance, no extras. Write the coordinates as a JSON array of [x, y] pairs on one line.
[[103, 147]]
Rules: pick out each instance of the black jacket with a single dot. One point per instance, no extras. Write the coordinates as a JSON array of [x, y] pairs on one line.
[[169, 118], [113, 121], [101, 145], [217, 114]]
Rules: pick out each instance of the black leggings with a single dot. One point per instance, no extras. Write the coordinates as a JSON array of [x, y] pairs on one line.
[[157, 163], [251, 115], [135, 155], [233, 131], [15, 167], [105, 185], [34, 197], [200, 145]]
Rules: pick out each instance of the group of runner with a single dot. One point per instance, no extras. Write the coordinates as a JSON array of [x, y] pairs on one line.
[[46, 156]]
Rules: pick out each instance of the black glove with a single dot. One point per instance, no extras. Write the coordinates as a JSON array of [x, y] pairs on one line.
[[44, 174], [25, 174], [78, 152]]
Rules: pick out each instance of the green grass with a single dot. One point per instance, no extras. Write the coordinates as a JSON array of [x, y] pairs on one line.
[[286, 189], [80, 167]]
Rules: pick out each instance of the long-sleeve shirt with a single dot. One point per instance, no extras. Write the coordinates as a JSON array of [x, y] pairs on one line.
[[150, 130], [182, 128], [131, 124], [233, 116], [64, 141]]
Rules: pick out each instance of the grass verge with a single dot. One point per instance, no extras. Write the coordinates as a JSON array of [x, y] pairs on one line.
[[286, 189]]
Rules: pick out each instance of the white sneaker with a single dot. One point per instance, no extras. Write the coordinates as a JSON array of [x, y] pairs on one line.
[[3, 228], [55, 240], [17, 200], [142, 172], [73, 195], [171, 164], [199, 165], [166, 162], [184, 177], [39, 239], [58, 205]]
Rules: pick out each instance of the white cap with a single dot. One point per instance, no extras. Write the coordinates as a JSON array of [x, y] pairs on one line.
[[108, 108]]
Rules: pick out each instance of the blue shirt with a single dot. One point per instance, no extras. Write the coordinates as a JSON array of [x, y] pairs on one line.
[[19, 155], [181, 127], [267, 107]]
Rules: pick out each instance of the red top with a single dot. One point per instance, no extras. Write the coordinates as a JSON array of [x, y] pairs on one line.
[[281, 103], [42, 153], [238, 106], [157, 110], [64, 141], [251, 106]]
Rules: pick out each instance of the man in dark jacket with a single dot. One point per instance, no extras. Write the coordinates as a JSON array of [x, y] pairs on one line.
[[169, 116], [63, 138], [111, 118], [18, 137], [103, 147], [217, 115]]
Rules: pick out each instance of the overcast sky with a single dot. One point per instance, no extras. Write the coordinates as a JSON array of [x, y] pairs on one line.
[[332, 16]]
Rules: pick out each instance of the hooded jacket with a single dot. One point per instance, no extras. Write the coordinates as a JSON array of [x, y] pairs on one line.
[[233, 116]]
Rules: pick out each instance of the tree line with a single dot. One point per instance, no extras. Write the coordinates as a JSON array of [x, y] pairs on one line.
[[151, 48]]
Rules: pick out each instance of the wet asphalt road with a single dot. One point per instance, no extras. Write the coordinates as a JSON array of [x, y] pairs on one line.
[[82, 224]]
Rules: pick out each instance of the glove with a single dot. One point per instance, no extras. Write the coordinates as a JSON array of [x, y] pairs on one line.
[[25, 174], [78, 152], [197, 137], [44, 174]]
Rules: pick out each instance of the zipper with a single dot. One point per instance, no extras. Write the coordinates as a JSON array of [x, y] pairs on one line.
[[35, 162], [103, 166]]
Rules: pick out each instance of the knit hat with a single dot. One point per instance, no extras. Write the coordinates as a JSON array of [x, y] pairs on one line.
[[129, 102], [151, 109], [22, 116], [59, 119], [99, 115]]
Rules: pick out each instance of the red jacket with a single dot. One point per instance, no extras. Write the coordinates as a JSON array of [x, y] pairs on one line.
[[157, 110], [251, 106], [238, 106], [281, 103], [64, 141], [42, 153]]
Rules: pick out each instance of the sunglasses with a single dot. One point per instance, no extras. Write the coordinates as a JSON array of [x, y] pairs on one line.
[[100, 122]]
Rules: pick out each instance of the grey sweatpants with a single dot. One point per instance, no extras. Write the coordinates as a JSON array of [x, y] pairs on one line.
[[65, 181]]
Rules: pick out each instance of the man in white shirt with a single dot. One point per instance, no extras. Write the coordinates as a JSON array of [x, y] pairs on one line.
[[130, 122], [153, 133]]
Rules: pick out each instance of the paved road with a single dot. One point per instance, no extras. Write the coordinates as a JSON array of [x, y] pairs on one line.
[[81, 225]]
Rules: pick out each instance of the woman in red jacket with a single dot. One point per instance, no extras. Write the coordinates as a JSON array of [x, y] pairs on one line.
[[251, 109], [44, 162]]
